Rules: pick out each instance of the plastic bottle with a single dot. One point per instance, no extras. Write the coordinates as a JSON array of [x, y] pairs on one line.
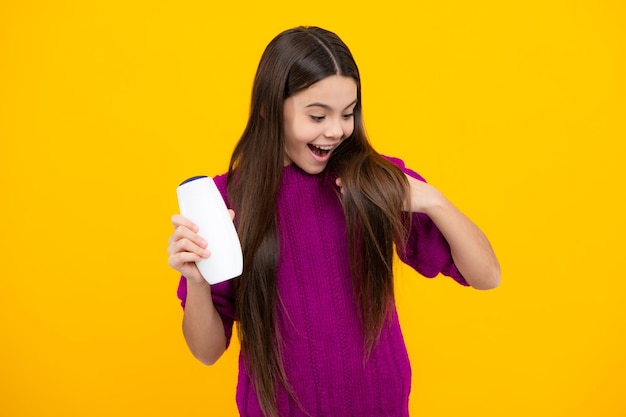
[[200, 201]]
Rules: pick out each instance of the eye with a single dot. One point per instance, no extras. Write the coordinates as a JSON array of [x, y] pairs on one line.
[[348, 116], [317, 118]]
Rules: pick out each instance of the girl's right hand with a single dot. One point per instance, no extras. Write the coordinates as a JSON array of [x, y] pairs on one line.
[[185, 248]]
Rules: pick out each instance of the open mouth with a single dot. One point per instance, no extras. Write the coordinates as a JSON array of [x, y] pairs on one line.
[[321, 150]]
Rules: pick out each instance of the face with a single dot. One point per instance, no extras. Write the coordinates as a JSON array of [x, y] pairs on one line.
[[317, 120]]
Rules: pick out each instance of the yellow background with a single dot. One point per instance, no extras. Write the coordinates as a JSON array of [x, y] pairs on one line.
[[515, 110]]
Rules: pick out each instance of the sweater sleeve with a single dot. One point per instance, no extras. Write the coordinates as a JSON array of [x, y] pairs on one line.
[[427, 250], [222, 293]]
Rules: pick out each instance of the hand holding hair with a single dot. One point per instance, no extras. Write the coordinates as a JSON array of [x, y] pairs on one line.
[[470, 248]]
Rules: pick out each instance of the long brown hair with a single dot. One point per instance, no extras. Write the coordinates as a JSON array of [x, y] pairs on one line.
[[374, 192]]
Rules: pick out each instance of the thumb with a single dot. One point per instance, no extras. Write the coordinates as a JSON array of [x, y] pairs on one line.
[[339, 184]]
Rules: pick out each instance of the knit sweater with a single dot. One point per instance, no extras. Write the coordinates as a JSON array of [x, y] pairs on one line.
[[318, 321]]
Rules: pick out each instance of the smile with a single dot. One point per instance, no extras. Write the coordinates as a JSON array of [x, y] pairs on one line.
[[321, 150]]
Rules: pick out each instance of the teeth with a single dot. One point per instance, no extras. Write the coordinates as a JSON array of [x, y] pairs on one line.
[[325, 148]]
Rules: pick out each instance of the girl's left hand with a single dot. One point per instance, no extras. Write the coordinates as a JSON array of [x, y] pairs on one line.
[[422, 196]]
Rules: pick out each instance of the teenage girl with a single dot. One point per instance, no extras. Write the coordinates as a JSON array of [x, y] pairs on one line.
[[320, 215]]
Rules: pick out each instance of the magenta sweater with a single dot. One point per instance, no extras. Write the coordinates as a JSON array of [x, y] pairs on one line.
[[319, 324]]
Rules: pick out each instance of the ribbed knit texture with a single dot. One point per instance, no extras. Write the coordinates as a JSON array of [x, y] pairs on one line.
[[317, 317]]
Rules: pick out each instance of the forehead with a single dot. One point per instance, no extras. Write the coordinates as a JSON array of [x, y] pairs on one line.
[[335, 91]]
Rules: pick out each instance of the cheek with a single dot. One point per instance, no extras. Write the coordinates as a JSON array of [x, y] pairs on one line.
[[296, 139], [349, 129], [304, 133]]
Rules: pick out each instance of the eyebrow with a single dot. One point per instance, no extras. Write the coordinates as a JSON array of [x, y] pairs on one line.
[[327, 107]]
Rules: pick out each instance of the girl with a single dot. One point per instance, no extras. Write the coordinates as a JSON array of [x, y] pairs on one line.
[[319, 214]]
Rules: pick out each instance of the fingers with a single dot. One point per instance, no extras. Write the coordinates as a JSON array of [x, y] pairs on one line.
[[339, 184], [185, 240], [185, 246], [185, 237], [179, 220], [180, 260], [184, 253]]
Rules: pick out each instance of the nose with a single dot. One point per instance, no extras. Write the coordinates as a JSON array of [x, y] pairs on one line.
[[334, 129]]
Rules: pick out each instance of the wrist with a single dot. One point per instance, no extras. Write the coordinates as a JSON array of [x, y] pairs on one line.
[[438, 207], [197, 284]]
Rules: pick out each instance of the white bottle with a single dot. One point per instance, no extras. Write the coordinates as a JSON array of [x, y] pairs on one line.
[[200, 201]]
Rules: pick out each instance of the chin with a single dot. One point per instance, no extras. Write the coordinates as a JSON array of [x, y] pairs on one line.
[[312, 169]]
